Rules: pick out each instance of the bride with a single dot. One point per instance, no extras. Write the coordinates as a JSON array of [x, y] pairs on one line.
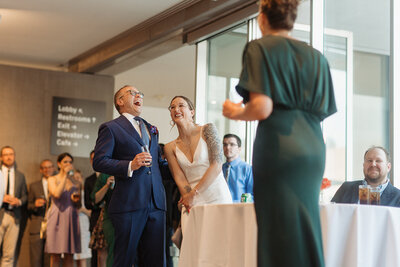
[[195, 158]]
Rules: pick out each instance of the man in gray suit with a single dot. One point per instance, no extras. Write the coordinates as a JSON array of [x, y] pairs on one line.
[[376, 168], [38, 201], [10, 214]]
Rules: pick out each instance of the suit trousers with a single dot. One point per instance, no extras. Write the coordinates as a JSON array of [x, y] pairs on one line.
[[139, 232], [36, 251], [9, 230]]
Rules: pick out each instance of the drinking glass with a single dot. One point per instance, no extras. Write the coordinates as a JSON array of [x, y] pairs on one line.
[[145, 148], [363, 193], [374, 196]]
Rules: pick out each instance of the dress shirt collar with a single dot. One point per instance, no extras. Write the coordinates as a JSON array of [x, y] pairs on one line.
[[45, 188], [129, 116], [380, 187], [133, 122], [235, 162]]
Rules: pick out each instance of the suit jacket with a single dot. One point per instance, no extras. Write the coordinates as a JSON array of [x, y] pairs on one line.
[[89, 204], [36, 213], [348, 193], [117, 144], [20, 192]]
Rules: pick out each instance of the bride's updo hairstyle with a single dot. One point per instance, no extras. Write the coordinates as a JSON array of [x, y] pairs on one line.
[[188, 102], [281, 14]]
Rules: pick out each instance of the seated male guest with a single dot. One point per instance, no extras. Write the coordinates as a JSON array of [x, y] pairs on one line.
[[238, 174], [376, 168]]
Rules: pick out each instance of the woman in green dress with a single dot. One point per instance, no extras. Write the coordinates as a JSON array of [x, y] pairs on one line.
[[101, 196], [287, 86]]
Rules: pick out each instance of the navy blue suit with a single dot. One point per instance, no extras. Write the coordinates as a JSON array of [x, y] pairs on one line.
[[137, 206], [348, 193]]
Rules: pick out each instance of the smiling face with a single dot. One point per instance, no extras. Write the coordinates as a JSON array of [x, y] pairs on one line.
[[181, 110], [376, 166], [129, 100], [46, 168]]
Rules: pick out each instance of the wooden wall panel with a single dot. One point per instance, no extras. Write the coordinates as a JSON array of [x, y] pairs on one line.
[[25, 115]]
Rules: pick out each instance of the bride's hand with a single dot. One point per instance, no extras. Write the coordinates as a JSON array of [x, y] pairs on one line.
[[187, 200]]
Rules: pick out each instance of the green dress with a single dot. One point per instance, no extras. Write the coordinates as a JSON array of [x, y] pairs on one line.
[[289, 150], [108, 228]]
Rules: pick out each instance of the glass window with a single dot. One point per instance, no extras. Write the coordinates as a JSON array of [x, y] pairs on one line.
[[357, 46], [224, 66]]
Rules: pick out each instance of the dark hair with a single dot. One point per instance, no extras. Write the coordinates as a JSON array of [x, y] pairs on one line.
[[117, 95], [161, 148], [281, 14], [187, 100], [63, 155], [239, 142], [381, 148]]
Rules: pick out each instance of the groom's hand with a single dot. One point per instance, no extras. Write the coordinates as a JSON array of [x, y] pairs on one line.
[[140, 160]]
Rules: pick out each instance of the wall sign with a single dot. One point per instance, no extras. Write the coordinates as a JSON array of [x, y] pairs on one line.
[[74, 125]]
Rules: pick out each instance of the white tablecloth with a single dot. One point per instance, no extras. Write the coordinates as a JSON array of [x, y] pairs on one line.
[[353, 235], [360, 235], [219, 235]]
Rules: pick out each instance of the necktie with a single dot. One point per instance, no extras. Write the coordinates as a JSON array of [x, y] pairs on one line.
[[145, 136], [228, 170], [6, 205], [8, 182]]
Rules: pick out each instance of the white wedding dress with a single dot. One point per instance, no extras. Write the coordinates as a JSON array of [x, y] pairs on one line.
[[218, 192]]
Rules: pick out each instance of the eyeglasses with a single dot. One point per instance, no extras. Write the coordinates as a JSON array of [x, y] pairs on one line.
[[133, 93], [179, 106], [229, 144]]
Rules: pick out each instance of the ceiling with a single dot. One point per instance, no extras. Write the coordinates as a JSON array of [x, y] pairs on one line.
[[48, 33]]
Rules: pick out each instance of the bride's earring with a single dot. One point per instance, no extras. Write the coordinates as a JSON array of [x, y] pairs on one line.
[[172, 123]]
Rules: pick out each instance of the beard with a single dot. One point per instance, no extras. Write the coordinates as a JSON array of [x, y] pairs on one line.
[[374, 177]]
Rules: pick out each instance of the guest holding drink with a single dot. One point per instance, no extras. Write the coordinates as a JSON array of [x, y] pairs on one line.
[[38, 198], [376, 169], [286, 85], [63, 233]]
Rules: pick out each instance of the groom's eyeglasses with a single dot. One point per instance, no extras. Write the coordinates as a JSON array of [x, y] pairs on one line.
[[133, 93]]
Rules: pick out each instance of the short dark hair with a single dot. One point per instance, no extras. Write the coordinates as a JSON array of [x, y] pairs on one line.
[[116, 96], [63, 155], [229, 135], [381, 148], [281, 14]]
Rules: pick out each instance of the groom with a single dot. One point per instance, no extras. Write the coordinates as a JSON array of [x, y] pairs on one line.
[[137, 206]]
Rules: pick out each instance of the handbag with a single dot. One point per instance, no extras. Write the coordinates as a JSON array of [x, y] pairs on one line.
[[177, 236]]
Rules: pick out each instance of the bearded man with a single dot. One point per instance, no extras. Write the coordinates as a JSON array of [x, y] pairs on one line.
[[376, 169]]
